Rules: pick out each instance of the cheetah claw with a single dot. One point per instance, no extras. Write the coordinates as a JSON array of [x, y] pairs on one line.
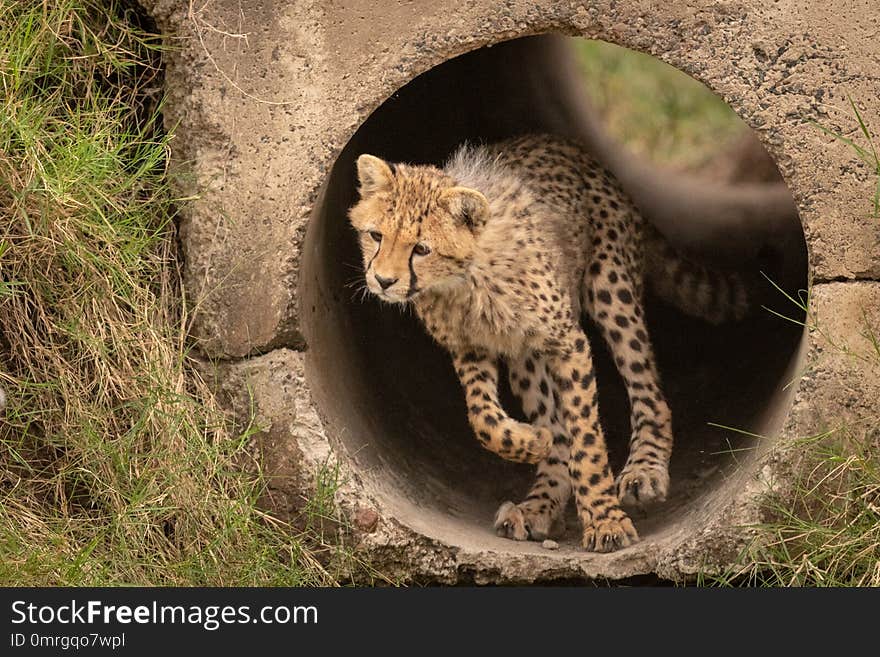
[[642, 484], [525, 522], [609, 535]]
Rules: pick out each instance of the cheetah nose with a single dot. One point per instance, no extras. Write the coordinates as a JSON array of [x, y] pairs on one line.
[[385, 283]]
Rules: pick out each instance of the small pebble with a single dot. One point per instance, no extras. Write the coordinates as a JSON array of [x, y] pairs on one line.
[[550, 545], [366, 519]]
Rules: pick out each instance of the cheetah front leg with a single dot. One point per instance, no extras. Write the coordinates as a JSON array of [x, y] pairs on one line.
[[496, 431], [541, 514], [606, 526]]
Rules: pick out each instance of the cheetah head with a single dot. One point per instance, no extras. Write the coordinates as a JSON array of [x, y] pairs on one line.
[[417, 229]]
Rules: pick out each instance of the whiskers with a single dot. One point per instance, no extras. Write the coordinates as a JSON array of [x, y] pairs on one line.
[[358, 287], [360, 292]]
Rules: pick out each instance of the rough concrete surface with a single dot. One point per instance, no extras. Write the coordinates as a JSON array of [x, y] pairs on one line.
[[265, 96], [841, 384]]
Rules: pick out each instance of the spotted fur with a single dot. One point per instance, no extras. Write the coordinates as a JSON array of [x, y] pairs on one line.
[[500, 252]]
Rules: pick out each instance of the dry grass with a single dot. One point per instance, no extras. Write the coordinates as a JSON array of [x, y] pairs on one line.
[[826, 531], [824, 527], [116, 464]]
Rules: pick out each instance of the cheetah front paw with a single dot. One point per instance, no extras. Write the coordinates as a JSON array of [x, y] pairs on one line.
[[527, 522], [642, 484], [529, 444], [609, 535]]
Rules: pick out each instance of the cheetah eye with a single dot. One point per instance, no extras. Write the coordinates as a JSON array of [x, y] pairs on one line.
[[421, 249], [376, 235]]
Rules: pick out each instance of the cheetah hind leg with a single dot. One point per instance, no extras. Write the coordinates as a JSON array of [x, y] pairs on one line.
[[613, 300], [541, 514]]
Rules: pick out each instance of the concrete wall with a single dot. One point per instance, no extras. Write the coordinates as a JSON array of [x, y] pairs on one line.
[[266, 97]]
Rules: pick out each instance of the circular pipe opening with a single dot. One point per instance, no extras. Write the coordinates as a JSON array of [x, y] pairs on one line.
[[389, 394]]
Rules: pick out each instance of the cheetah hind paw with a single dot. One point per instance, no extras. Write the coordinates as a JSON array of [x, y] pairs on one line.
[[526, 522], [642, 484]]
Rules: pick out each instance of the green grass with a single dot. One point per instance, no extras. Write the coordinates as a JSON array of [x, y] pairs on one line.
[[827, 531], [867, 153], [656, 110], [117, 466], [823, 528]]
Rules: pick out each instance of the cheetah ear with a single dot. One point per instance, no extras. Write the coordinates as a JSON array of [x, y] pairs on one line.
[[467, 206], [374, 174]]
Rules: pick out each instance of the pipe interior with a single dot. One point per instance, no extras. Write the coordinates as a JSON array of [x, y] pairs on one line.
[[389, 395]]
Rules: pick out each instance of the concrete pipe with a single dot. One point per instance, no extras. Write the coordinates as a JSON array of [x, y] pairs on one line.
[[273, 103]]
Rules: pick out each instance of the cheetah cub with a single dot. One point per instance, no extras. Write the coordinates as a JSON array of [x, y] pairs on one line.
[[499, 253]]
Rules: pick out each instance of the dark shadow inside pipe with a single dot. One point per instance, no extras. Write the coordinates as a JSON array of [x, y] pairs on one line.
[[390, 395]]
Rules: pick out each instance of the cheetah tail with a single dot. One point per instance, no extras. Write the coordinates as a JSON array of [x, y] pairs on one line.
[[713, 295]]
